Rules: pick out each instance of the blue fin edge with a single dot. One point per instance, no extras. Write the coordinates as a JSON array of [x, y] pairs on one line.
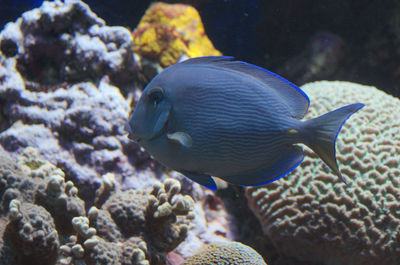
[[278, 177]]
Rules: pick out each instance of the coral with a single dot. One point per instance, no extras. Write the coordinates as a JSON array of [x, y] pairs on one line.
[[212, 220], [312, 216], [47, 222], [40, 205], [128, 209], [65, 41], [88, 248], [33, 180], [169, 31], [156, 221], [226, 253], [32, 231], [75, 121], [78, 127]]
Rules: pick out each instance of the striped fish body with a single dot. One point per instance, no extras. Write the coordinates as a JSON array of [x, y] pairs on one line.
[[236, 124]]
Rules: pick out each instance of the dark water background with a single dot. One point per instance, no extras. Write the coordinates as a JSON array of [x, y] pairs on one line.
[[276, 34]]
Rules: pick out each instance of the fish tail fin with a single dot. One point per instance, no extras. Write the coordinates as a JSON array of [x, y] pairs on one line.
[[323, 131]]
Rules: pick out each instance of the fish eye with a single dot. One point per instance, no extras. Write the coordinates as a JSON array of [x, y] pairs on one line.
[[156, 95]]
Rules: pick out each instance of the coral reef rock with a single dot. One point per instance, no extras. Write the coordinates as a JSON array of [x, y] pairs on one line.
[[212, 221], [58, 93], [43, 221], [64, 41], [226, 253], [74, 115], [32, 231], [40, 206], [79, 128], [169, 32], [312, 216], [156, 221]]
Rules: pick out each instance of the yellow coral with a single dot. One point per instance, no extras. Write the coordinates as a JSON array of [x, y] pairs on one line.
[[168, 31]]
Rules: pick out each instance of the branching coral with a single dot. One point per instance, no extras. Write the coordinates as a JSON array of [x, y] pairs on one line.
[[311, 215], [32, 231], [47, 223], [156, 221], [40, 206]]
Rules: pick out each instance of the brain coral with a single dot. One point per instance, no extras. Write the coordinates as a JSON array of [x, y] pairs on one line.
[[226, 253], [311, 215], [168, 31]]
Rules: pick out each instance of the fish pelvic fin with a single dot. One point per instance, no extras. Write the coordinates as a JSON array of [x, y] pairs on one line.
[[203, 179], [322, 133]]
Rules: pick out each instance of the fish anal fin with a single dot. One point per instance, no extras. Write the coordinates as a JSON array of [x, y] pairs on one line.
[[281, 166], [202, 179]]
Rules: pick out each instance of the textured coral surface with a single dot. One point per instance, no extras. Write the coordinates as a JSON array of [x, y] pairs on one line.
[[169, 31], [43, 221], [66, 89], [80, 128], [312, 216], [227, 253], [67, 85], [65, 41], [39, 204], [158, 218]]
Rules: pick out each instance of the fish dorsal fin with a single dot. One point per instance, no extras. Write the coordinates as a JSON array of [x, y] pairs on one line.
[[208, 60], [296, 100]]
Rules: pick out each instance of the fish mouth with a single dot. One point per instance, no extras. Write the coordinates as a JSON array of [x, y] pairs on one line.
[[131, 135], [134, 138], [138, 139]]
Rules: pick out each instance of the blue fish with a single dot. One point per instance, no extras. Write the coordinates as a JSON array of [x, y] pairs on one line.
[[214, 116]]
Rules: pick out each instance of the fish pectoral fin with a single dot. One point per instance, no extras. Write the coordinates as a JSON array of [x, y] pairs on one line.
[[181, 138], [202, 179], [284, 163]]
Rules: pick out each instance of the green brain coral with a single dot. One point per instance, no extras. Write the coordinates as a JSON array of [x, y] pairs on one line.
[[226, 253], [311, 215]]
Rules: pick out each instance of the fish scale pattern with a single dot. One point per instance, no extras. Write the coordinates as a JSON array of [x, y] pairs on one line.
[[311, 215]]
